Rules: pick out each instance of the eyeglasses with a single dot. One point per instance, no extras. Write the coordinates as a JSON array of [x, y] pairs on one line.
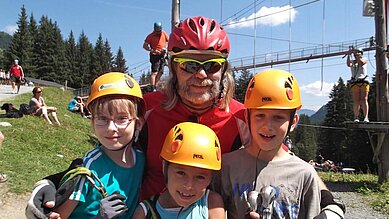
[[37, 92], [120, 122], [210, 66]]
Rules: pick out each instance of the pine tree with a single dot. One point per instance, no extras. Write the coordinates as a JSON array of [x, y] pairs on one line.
[[108, 58], [304, 138], [84, 54], [20, 47], [332, 142], [241, 85], [120, 62], [71, 56], [34, 32]]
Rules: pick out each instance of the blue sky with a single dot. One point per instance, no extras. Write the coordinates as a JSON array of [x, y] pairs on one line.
[[300, 24]]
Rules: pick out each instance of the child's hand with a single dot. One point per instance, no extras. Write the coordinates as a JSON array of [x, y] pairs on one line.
[[254, 215], [112, 206]]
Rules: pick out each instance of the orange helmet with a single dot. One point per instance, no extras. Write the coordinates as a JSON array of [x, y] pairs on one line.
[[273, 89], [192, 144], [116, 83]]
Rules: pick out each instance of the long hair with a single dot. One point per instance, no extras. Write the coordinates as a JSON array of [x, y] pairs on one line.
[[227, 85]]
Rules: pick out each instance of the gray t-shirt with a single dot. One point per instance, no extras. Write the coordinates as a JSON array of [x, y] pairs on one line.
[[298, 193]]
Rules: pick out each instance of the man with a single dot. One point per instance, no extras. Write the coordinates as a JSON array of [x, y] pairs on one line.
[[17, 76], [200, 89], [155, 43], [359, 83]]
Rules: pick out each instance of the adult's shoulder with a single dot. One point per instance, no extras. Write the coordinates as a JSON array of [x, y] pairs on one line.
[[153, 99]]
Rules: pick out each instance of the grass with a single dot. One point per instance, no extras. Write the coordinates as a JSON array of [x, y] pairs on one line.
[[364, 184], [33, 149]]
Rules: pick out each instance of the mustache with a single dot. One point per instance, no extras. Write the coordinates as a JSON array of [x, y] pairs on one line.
[[201, 82]]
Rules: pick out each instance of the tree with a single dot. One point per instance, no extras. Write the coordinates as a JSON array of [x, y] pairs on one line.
[[241, 84], [34, 33], [71, 56], [120, 62], [107, 65], [20, 47], [304, 139], [84, 54]]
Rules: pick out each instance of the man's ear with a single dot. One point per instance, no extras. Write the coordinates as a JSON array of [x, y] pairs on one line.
[[295, 121]]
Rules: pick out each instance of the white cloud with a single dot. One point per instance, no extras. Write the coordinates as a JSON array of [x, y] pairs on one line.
[[314, 88], [10, 29], [272, 16]]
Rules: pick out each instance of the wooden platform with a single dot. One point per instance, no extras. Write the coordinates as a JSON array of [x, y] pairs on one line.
[[374, 129]]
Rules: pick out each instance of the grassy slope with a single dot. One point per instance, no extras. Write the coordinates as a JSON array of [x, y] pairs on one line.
[[32, 148]]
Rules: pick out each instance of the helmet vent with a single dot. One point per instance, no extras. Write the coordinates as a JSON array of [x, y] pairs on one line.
[[192, 26], [201, 21], [212, 26]]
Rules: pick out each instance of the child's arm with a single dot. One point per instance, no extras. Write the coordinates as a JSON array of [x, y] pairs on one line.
[[215, 206], [66, 208]]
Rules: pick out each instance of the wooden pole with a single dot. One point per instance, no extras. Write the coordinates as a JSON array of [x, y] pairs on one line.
[[382, 86]]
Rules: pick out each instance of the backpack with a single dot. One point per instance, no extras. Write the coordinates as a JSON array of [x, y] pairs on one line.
[[25, 109]]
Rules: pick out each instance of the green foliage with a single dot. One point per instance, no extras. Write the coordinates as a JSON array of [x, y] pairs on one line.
[[304, 139], [241, 85], [366, 185], [5, 40], [44, 54], [33, 149]]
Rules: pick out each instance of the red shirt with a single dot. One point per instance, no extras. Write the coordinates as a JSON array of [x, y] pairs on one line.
[[157, 40], [16, 70], [230, 127]]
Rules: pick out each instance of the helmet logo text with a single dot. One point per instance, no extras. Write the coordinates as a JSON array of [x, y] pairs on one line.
[[198, 156], [266, 99]]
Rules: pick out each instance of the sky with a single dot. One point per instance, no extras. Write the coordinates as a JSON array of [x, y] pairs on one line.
[[282, 27]]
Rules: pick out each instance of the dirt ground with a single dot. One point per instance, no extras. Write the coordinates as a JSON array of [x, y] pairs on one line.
[[12, 206]]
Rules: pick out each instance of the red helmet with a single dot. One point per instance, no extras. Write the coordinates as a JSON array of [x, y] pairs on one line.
[[199, 33]]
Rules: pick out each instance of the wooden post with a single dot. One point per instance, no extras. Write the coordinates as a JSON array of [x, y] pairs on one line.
[[382, 86]]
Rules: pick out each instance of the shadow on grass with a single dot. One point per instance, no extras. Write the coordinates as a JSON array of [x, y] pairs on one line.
[[351, 186]]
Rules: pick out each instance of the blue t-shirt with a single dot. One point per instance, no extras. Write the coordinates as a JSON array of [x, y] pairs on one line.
[[197, 210], [126, 181], [72, 104]]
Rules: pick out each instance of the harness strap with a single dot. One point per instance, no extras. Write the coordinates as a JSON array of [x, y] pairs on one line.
[[150, 204]]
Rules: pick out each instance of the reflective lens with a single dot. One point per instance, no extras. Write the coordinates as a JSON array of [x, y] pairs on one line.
[[193, 66], [120, 122]]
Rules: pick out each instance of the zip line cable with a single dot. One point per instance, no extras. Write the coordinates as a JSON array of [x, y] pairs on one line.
[[322, 40], [325, 127], [247, 9], [298, 6]]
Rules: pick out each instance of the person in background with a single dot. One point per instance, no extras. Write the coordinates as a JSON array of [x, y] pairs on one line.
[[3, 177], [78, 106], [191, 154], [155, 43], [41, 107], [2, 76], [16, 76], [359, 83]]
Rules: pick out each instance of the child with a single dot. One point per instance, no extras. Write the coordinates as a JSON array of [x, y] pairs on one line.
[[191, 153], [263, 176], [116, 105]]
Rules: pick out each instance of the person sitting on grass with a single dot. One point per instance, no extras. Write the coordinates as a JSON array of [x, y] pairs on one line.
[[191, 154], [76, 105], [41, 107]]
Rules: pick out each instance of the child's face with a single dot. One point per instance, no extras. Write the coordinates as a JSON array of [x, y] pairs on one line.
[[114, 131], [187, 184], [269, 127]]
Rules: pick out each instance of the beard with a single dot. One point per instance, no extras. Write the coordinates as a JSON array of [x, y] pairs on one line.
[[199, 98]]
